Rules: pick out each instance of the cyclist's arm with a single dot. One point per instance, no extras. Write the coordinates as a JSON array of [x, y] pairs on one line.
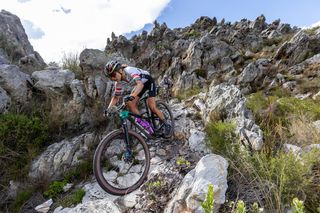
[[114, 101], [117, 93], [137, 89]]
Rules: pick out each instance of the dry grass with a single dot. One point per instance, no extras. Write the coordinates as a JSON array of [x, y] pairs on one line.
[[303, 131], [63, 114]]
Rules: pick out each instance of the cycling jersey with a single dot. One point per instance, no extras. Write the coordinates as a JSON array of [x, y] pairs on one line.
[[132, 75]]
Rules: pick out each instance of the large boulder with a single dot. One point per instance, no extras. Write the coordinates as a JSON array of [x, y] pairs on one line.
[[211, 169], [53, 79], [16, 83], [60, 157]]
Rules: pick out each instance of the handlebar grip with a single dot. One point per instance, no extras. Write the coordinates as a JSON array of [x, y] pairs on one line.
[[128, 98]]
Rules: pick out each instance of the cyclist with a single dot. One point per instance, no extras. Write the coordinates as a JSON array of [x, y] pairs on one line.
[[141, 81]]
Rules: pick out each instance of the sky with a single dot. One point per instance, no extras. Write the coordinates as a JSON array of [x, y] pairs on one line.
[[58, 27]]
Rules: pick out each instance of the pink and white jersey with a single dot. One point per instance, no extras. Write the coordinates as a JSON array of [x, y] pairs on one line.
[[132, 75]]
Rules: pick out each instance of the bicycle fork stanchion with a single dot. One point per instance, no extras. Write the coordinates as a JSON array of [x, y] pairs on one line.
[[124, 117]]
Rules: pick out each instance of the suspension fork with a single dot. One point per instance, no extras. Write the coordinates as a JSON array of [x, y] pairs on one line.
[[124, 122]]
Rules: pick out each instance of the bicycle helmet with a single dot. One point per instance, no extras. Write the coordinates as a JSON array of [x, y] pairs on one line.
[[111, 67]]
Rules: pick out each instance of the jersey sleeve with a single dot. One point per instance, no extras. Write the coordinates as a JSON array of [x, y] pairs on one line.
[[118, 89], [134, 73]]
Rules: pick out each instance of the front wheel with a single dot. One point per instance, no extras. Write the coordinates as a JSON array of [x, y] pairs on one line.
[[120, 169]]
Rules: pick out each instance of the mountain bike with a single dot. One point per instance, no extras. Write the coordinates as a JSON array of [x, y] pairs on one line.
[[122, 159]]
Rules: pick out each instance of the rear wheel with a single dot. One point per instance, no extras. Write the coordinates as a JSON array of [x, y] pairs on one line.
[[168, 116], [120, 170]]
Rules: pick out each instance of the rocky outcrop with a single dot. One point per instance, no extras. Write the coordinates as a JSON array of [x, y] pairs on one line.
[[299, 48], [15, 83], [60, 157], [228, 101], [17, 47]]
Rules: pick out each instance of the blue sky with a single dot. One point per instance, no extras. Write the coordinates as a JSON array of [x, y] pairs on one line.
[[180, 13], [57, 27]]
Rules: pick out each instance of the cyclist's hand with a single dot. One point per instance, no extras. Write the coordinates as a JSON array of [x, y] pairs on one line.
[[129, 98], [107, 113], [110, 111]]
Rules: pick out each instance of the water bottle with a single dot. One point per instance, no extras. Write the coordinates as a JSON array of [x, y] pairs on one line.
[[145, 124]]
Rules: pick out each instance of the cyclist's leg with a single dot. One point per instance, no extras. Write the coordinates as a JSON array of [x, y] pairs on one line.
[[151, 101], [132, 105]]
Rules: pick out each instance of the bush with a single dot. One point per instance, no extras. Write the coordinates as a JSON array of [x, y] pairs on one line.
[[55, 189], [21, 140], [275, 180], [71, 62], [275, 114], [73, 199], [220, 136]]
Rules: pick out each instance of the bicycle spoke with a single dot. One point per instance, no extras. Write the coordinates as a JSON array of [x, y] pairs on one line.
[[120, 169]]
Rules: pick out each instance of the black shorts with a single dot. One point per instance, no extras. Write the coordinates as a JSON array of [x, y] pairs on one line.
[[149, 85]]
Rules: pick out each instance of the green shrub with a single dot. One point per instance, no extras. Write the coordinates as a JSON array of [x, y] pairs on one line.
[[297, 205], [220, 136], [275, 113], [22, 138], [296, 106], [55, 189], [241, 207], [277, 179], [208, 203], [255, 208], [73, 199], [21, 198]]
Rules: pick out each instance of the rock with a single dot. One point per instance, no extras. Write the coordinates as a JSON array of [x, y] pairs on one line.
[[227, 101], [16, 83], [53, 80], [5, 101], [45, 207], [196, 141], [60, 157], [287, 148], [95, 192], [19, 48], [211, 169], [97, 206]]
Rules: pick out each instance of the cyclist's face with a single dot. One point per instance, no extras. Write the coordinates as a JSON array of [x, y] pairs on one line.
[[116, 76]]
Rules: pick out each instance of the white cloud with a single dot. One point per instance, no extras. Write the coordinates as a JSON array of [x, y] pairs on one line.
[[88, 24]]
